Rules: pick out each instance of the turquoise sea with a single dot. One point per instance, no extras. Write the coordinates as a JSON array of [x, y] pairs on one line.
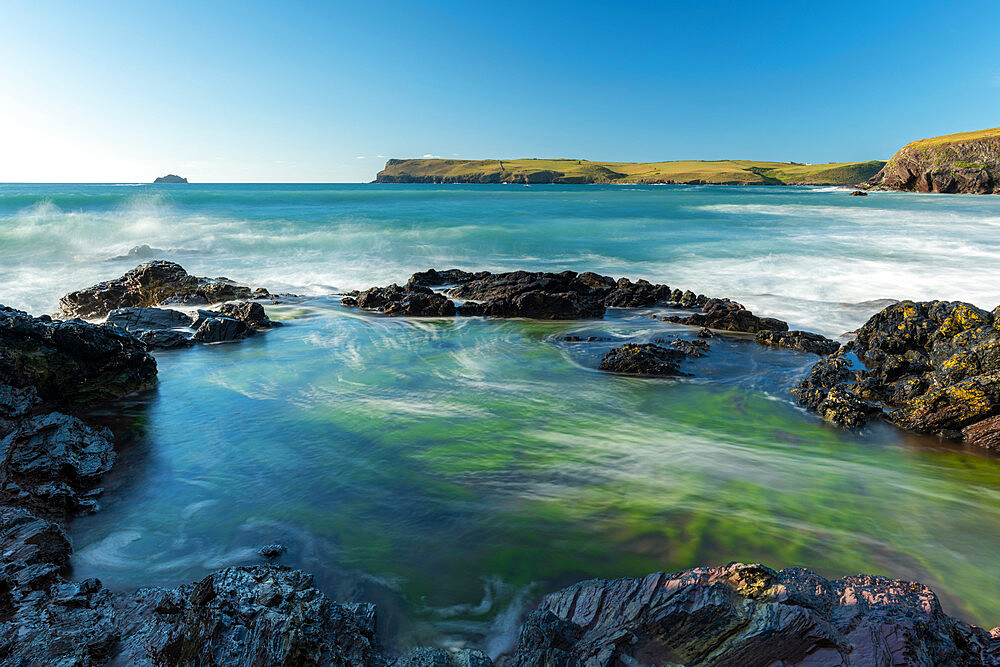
[[454, 470]]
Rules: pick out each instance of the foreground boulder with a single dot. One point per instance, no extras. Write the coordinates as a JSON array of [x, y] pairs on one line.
[[748, 615], [935, 365], [726, 315], [71, 362], [152, 284], [163, 328]]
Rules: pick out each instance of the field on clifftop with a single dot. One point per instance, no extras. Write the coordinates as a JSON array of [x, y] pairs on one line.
[[722, 172]]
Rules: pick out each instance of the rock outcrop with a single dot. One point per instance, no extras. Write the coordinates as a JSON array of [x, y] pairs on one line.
[[933, 365], [968, 162], [71, 362], [749, 615], [152, 284], [804, 341], [533, 294], [727, 315], [644, 359]]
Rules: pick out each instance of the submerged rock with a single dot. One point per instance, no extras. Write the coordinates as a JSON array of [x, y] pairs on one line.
[[151, 284], [726, 315], [644, 359], [748, 615], [804, 341], [934, 364], [71, 362], [272, 550]]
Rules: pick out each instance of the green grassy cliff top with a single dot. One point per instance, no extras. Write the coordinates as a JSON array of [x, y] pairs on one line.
[[734, 172]]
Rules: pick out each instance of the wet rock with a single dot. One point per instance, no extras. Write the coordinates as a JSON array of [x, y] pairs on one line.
[[934, 364], [804, 341], [272, 550], [213, 327], [844, 408], [139, 252], [985, 433], [436, 657], [691, 348], [15, 404], [747, 615], [151, 284], [537, 305], [71, 362], [35, 550], [639, 294], [146, 319], [726, 315], [643, 359], [859, 193], [248, 312], [829, 372], [164, 339], [434, 278], [412, 301], [50, 460], [706, 333]]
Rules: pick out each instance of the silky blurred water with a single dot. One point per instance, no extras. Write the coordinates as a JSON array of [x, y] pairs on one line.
[[454, 470]]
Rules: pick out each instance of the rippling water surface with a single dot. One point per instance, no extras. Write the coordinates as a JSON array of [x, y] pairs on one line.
[[455, 470]]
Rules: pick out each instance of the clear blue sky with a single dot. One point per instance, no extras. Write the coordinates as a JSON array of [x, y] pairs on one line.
[[295, 91]]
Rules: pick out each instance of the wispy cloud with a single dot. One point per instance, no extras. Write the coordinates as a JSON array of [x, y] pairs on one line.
[[432, 156], [359, 157], [381, 156]]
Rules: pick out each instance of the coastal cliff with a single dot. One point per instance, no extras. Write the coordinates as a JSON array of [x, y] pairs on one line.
[[687, 172], [966, 163]]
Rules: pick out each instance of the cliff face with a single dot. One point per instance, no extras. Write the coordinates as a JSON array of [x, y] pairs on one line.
[[958, 163]]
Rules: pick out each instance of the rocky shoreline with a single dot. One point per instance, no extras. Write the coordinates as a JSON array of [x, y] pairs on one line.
[[916, 357]]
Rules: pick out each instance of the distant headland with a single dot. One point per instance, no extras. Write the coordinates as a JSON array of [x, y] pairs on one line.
[[686, 172], [966, 163], [171, 178]]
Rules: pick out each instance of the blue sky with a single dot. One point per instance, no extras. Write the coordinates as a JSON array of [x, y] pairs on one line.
[[247, 91]]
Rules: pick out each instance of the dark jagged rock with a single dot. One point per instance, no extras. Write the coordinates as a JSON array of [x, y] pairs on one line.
[[644, 359], [804, 341], [16, 403], [49, 462], [272, 550], [726, 315], [692, 348], [844, 408], [152, 284], [436, 657], [35, 551], [164, 339], [539, 305], [71, 362], [213, 327], [748, 615], [934, 364], [147, 319], [859, 193], [139, 252], [412, 300], [250, 313], [435, 278]]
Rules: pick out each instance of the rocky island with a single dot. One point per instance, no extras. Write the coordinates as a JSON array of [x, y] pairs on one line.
[[171, 178], [688, 172], [964, 163]]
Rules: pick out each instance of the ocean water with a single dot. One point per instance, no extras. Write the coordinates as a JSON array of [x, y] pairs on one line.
[[454, 470]]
